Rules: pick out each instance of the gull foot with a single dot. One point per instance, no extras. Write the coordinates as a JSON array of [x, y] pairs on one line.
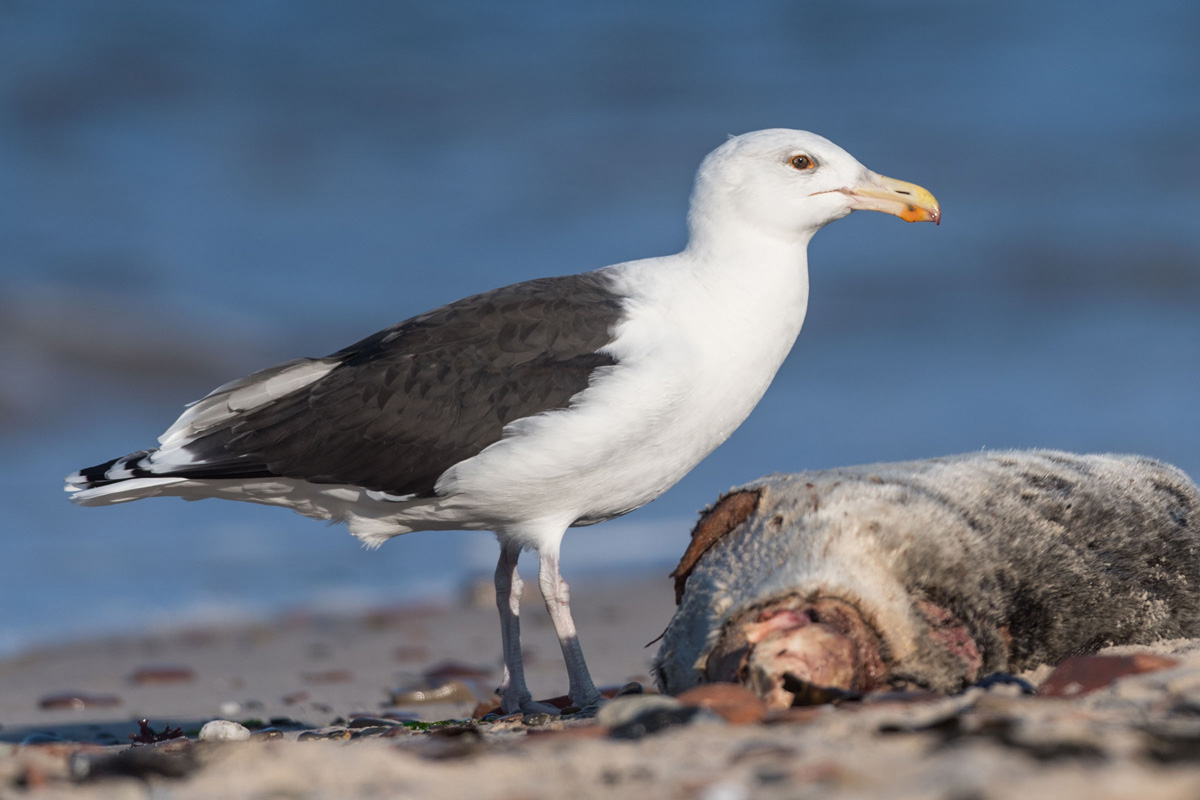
[[526, 705]]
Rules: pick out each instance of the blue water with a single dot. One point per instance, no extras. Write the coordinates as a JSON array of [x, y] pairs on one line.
[[189, 192]]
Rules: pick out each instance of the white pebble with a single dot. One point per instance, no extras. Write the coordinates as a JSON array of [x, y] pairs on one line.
[[222, 730], [231, 707]]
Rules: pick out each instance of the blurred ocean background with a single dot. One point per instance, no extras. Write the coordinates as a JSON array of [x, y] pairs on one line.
[[190, 191]]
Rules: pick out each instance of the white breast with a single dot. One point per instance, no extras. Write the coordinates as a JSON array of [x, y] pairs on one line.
[[694, 357]]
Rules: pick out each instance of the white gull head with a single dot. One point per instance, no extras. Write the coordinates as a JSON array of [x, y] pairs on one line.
[[789, 183]]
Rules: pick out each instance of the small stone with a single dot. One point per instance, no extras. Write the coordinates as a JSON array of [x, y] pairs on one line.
[[337, 735], [267, 734], [537, 720], [454, 691], [372, 722], [623, 709], [734, 703], [231, 708], [366, 733], [223, 730], [1080, 675], [398, 730], [78, 701], [658, 719]]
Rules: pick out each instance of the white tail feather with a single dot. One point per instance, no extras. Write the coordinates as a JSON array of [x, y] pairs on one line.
[[120, 492]]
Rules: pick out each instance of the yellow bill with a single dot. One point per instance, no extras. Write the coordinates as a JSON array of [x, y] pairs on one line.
[[907, 201]]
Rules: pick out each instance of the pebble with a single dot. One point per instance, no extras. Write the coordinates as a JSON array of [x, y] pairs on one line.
[[341, 734], [267, 734], [78, 700], [624, 709], [397, 731], [658, 719], [223, 730], [454, 691], [372, 722], [366, 733], [231, 708], [537, 720], [735, 704]]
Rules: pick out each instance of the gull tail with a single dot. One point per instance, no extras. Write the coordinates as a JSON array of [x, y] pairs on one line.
[[117, 481], [141, 474]]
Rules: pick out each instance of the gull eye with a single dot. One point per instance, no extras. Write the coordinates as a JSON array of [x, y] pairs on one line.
[[802, 162]]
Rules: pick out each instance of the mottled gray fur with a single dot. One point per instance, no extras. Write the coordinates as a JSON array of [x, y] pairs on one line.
[[1039, 554]]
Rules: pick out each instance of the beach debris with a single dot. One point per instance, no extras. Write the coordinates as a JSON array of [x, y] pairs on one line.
[[161, 674], [1079, 675], [78, 700], [146, 734], [636, 716], [335, 734], [171, 759], [328, 676], [224, 730], [735, 704], [931, 574], [425, 693], [372, 722], [449, 670], [618, 712]]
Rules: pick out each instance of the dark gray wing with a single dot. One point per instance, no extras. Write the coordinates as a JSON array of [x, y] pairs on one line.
[[404, 405]]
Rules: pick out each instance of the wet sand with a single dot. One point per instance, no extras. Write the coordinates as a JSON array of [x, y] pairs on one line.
[[309, 676]]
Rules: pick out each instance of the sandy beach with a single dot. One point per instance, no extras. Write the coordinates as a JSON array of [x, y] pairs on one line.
[[334, 707]]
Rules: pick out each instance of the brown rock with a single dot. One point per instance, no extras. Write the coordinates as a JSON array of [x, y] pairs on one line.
[[78, 700], [159, 674], [736, 704], [1079, 675]]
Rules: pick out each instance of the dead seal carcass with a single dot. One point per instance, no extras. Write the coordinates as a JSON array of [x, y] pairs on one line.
[[933, 573]]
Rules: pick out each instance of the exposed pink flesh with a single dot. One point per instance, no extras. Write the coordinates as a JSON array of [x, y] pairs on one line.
[[824, 642]]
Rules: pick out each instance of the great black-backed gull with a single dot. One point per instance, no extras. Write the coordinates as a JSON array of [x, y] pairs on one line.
[[540, 406]]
